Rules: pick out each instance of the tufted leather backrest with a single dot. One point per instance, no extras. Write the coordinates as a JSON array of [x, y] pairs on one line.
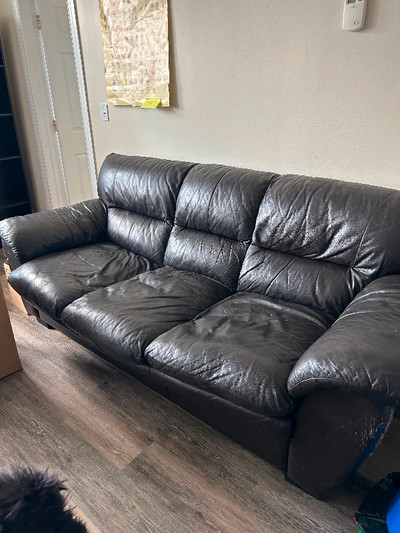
[[319, 241], [215, 216], [140, 193]]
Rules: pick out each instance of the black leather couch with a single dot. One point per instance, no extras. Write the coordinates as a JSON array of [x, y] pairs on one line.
[[266, 305]]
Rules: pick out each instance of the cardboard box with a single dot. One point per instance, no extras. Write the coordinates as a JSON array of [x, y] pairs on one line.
[[9, 358], [14, 296]]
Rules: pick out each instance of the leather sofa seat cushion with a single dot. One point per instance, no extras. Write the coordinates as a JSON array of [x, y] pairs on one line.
[[53, 281], [242, 349], [123, 319]]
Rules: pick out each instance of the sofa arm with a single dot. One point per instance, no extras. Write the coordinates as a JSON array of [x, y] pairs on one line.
[[361, 351], [31, 236]]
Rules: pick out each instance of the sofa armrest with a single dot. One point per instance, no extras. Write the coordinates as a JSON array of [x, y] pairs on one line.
[[37, 234], [361, 351]]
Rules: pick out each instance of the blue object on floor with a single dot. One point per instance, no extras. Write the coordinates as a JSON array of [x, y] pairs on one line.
[[393, 515], [380, 511]]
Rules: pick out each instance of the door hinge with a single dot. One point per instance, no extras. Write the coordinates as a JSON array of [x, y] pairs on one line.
[[37, 22], [55, 127]]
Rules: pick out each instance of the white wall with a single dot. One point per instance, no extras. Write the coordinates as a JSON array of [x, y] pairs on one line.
[[269, 85]]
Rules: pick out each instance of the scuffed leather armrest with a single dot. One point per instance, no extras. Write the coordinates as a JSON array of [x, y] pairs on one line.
[[361, 351], [41, 233]]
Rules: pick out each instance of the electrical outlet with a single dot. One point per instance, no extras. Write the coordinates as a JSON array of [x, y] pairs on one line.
[[104, 111]]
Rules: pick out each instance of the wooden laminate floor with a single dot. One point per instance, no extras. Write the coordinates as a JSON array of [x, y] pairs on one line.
[[136, 463]]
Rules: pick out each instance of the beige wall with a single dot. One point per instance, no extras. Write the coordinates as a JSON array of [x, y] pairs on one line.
[[266, 84]]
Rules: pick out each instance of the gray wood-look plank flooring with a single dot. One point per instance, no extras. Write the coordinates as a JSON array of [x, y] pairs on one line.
[[136, 463]]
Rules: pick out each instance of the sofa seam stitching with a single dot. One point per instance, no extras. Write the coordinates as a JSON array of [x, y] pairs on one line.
[[341, 381]]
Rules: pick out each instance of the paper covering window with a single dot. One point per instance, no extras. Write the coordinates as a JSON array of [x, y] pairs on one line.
[[136, 50]]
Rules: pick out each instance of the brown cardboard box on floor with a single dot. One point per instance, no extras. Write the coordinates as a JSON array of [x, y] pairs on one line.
[[15, 297], [9, 358]]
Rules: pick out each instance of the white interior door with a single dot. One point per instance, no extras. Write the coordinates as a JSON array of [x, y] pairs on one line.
[[60, 63], [53, 71]]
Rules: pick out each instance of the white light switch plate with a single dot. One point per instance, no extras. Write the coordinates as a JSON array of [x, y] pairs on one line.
[[104, 111]]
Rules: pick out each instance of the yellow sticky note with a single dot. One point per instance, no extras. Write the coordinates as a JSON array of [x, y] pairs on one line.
[[151, 103]]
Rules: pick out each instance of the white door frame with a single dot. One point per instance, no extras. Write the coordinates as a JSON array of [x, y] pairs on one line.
[[41, 107], [82, 95]]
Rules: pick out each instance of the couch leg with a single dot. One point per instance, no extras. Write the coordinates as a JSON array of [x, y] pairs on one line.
[[45, 324], [29, 308], [334, 433]]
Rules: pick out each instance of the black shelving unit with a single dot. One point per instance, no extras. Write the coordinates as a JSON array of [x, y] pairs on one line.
[[14, 199]]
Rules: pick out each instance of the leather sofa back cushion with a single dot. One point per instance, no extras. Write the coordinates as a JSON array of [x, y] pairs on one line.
[[325, 237], [141, 194], [143, 235], [215, 216]]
